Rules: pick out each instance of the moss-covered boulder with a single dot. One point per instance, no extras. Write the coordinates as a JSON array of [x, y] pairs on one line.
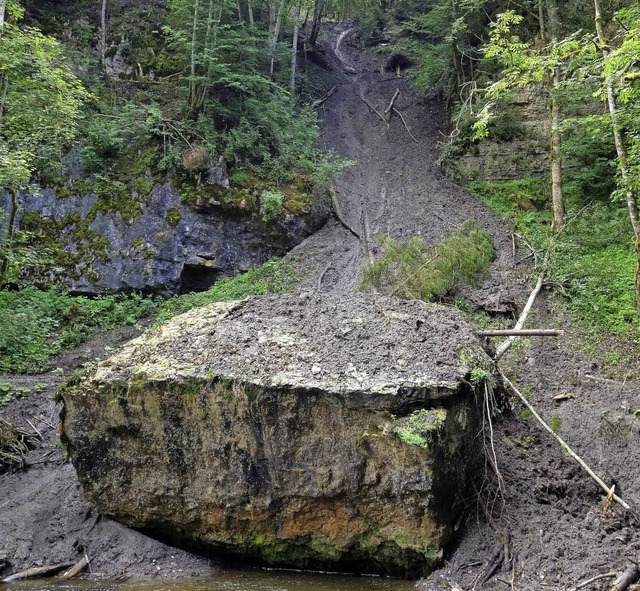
[[334, 433]]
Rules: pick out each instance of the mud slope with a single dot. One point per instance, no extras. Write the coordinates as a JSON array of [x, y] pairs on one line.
[[395, 187]]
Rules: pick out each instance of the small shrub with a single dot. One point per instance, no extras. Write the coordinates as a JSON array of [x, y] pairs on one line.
[[420, 426], [271, 205], [414, 270]]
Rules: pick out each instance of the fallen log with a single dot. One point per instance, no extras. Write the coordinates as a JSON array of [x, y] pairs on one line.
[[630, 575], [594, 579], [390, 108], [502, 349], [521, 332], [37, 572], [76, 569], [327, 95]]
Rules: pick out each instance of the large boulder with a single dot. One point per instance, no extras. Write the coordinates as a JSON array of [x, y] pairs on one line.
[[332, 433]]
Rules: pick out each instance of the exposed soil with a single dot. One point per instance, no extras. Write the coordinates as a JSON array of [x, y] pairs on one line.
[[554, 514]]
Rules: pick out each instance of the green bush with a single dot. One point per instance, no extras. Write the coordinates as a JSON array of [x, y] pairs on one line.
[[271, 205], [415, 270]]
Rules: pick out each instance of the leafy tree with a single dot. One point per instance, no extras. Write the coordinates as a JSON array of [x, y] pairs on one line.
[[40, 106], [620, 90]]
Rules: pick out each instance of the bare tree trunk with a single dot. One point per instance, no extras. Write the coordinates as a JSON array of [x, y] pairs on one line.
[[556, 163], [103, 32], [250, 11], [294, 52], [3, 8], [621, 151], [317, 19], [555, 148], [194, 35], [543, 32], [274, 37], [4, 260]]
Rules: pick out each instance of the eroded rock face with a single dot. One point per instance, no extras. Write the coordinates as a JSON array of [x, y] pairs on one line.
[[333, 433]]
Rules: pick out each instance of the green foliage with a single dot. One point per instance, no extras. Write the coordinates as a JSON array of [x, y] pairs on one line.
[[414, 270], [271, 205], [103, 142], [274, 276], [555, 423], [593, 258], [420, 426], [35, 325], [40, 101]]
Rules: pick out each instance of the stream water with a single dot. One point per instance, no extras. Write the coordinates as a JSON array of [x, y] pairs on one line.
[[227, 580]]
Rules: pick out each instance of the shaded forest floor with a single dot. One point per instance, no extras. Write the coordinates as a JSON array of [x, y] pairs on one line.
[[559, 532]]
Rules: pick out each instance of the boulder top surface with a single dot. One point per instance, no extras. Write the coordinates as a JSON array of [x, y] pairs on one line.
[[341, 344]]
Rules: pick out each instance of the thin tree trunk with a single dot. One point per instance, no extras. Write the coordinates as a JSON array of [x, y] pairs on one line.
[[621, 151], [4, 260], [250, 11], [3, 8], [555, 148], [317, 19], [103, 32], [201, 92], [543, 32], [556, 163], [294, 48], [194, 35], [274, 38]]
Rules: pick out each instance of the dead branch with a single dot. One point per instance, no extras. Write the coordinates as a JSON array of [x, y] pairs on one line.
[[338, 212], [76, 569], [561, 441], [405, 124], [366, 102], [523, 332], [630, 575], [594, 579], [327, 95], [388, 111], [504, 347], [37, 572]]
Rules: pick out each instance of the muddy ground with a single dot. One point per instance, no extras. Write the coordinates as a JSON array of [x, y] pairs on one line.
[[549, 511]]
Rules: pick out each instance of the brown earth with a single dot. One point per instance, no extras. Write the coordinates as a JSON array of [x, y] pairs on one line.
[[554, 514]]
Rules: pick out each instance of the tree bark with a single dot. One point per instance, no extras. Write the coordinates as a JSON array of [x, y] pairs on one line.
[[3, 8], [621, 151], [250, 11]]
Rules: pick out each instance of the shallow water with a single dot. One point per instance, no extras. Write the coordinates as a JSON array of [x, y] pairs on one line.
[[250, 580]]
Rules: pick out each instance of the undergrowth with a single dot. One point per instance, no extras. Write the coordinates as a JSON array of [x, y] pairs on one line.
[[415, 270], [274, 276], [35, 324], [592, 263]]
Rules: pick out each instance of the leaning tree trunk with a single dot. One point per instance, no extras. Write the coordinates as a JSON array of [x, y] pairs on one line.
[[621, 151]]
